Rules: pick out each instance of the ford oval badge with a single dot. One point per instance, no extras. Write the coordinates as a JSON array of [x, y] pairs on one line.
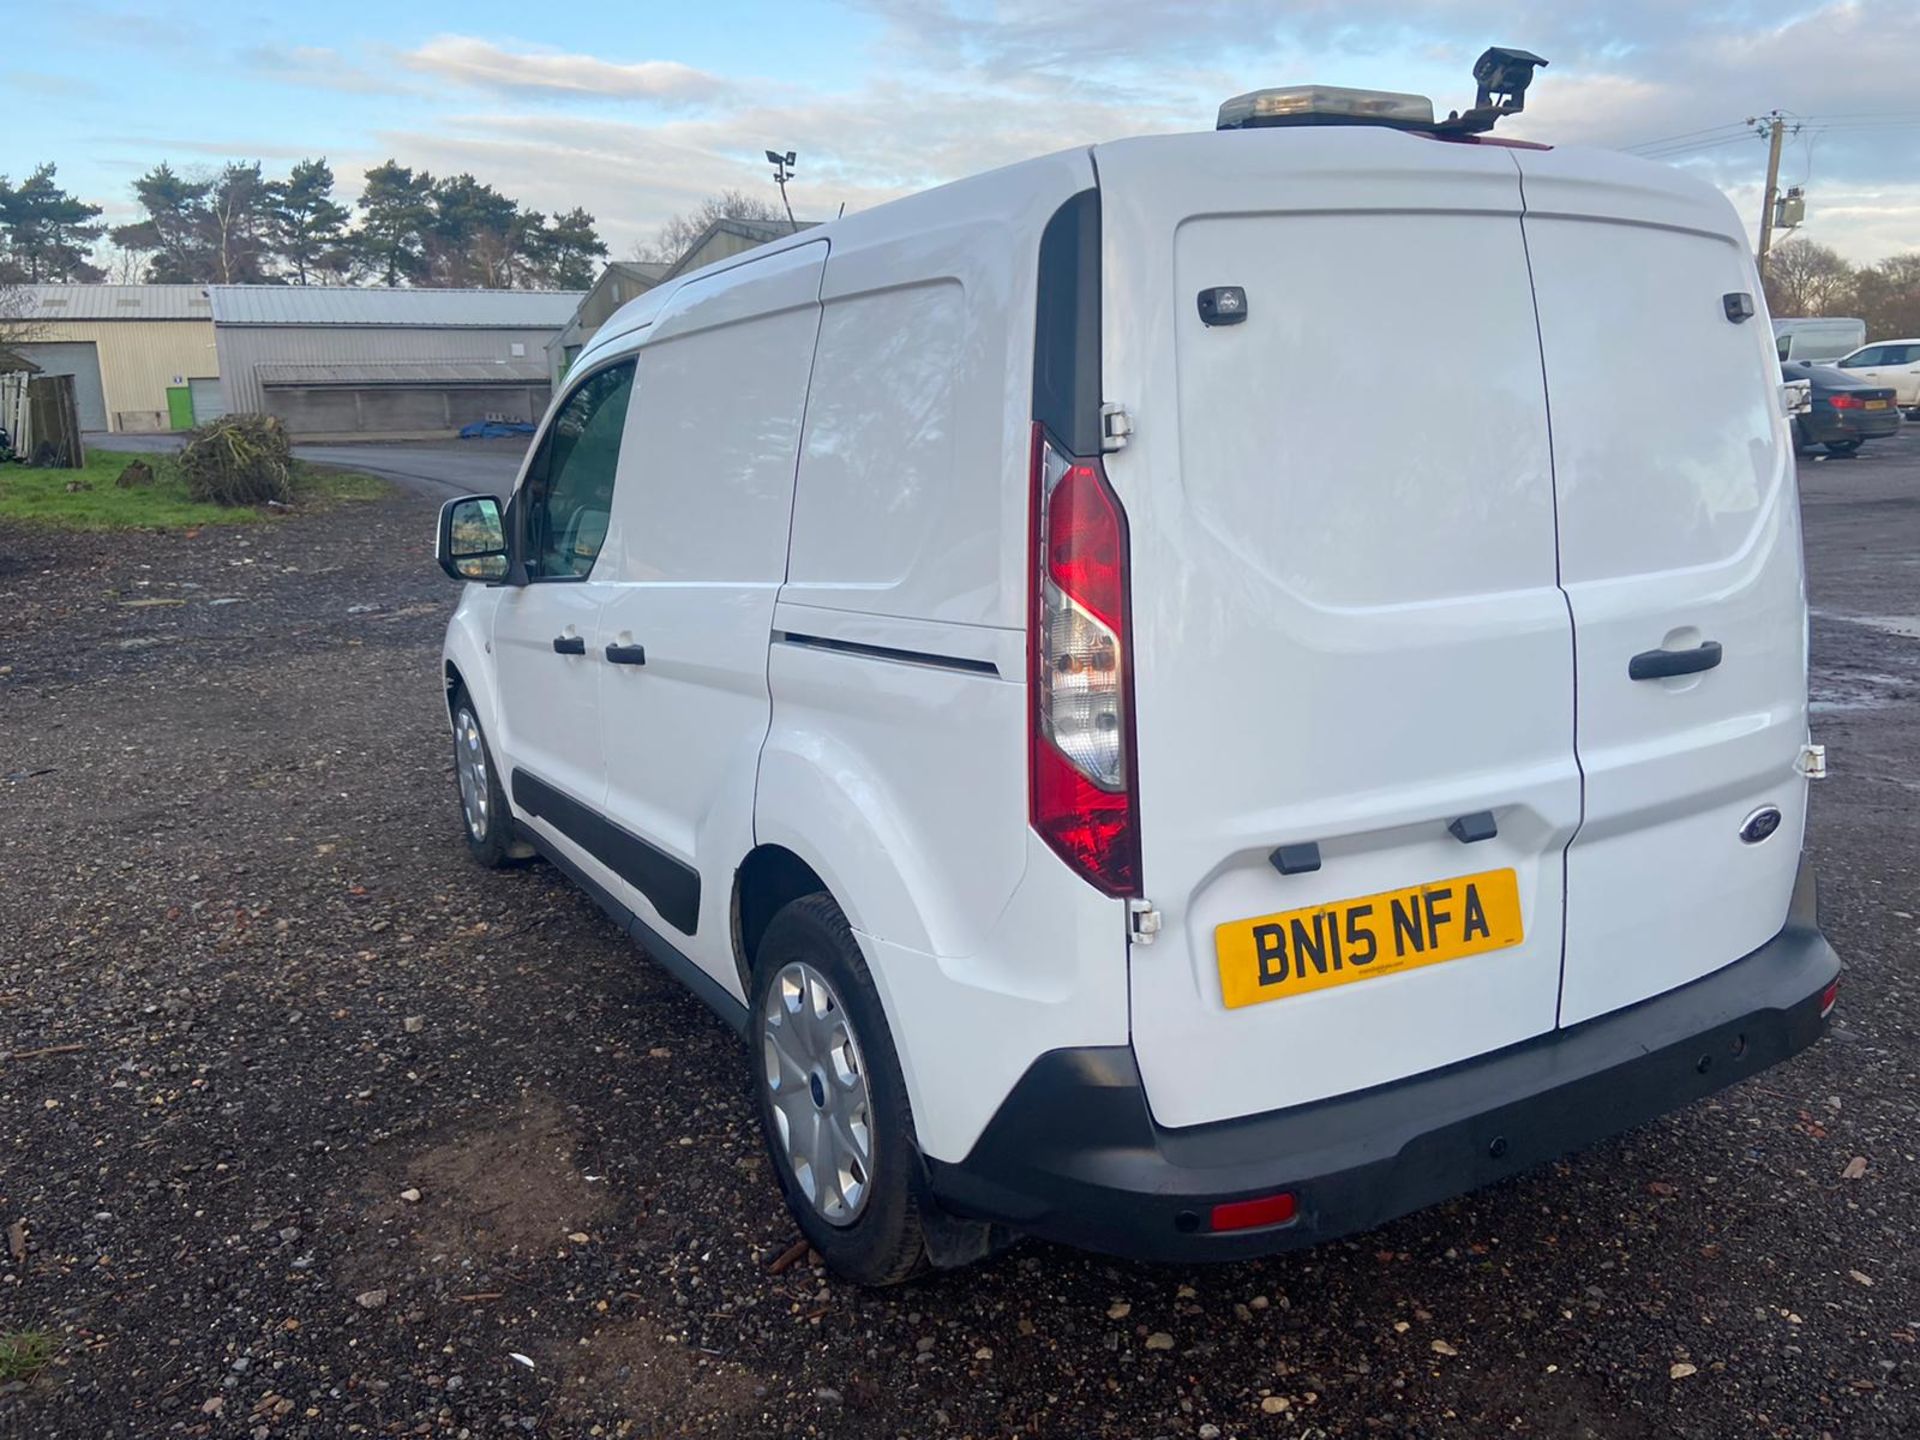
[[1759, 825]]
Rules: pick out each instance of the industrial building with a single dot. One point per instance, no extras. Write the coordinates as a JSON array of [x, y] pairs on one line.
[[341, 361], [141, 356], [620, 282], [626, 280]]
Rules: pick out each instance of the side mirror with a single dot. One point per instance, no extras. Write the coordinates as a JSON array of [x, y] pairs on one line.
[[472, 540], [1796, 397]]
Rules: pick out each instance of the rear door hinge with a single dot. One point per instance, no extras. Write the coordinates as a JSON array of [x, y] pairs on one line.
[[1116, 427], [1813, 762], [1143, 922]]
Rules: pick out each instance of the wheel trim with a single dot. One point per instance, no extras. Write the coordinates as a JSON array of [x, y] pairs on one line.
[[817, 1083], [470, 764]]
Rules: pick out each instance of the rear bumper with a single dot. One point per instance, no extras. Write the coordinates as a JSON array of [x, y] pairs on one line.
[[1835, 425], [1073, 1154]]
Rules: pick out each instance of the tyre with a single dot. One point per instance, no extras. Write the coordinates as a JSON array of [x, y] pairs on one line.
[[485, 816], [1842, 447], [833, 1105]]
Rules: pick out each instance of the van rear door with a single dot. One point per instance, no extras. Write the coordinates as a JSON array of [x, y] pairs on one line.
[[1348, 636], [1679, 546]]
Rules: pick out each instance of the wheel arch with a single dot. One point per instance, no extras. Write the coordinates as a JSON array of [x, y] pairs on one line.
[[771, 876]]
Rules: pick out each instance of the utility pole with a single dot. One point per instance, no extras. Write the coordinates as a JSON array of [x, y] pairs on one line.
[[1774, 126]]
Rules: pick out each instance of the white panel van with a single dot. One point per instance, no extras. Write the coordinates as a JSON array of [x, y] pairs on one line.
[[1819, 338], [1124, 786]]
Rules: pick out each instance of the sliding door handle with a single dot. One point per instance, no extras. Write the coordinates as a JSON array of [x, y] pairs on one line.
[[1665, 664], [569, 645], [627, 654]]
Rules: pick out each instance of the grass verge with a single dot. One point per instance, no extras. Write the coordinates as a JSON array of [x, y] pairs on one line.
[[42, 497], [25, 1353]]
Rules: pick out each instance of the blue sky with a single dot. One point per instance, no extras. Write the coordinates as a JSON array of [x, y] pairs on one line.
[[638, 109]]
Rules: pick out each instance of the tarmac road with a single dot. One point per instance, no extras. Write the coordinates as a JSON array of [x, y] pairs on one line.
[[435, 468]]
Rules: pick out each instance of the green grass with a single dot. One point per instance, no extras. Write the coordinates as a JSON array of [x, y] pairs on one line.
[[41, 496], [25, 1353]]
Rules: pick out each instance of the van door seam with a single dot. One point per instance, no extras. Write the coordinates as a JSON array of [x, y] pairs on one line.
[[1559, 583], [793, 504]]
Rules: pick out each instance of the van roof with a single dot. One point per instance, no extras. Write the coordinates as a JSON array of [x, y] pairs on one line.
[[1614, 181]]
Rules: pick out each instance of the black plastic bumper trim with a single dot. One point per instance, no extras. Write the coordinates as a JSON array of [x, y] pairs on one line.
[[1074, 1155], [669, 956], [672, 885]]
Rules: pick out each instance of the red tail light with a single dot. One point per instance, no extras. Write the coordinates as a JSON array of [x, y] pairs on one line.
[[1252, 1214], [1846, 402], [1080, 741], [1829, 997]]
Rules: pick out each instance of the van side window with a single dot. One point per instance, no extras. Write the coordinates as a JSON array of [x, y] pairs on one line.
[[568, 493]]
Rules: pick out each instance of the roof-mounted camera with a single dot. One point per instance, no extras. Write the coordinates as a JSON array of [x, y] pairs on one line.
[[1502, 76]]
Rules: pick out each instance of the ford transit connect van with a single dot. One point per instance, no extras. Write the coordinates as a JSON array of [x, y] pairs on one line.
[[1127, 784]]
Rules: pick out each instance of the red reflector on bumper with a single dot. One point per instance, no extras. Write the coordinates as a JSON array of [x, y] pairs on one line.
[[1828, 998], [1252, 1214]]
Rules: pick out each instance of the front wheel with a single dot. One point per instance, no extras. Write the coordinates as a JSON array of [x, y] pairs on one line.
[[833, 1104], [483, 803]]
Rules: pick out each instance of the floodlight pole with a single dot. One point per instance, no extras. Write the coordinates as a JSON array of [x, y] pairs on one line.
[[783, 167]]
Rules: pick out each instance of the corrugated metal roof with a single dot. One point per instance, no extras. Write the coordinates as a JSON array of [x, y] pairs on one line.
[[118, 302], [406, 372], [378, 305]]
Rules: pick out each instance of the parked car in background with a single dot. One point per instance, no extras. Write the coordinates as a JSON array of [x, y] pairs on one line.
[[1888, 362], [1817, 337], [1846, 409]]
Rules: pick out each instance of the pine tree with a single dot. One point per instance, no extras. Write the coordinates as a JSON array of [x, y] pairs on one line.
[[174, 232], [573, 251], [49, 233], [396, 210], [309, 226]]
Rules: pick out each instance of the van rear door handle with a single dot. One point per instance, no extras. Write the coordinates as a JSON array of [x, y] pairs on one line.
[[569, 645], [1665, 664], [627, 654]]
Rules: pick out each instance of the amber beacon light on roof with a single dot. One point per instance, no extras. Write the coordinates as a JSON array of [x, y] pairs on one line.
[[1501, 76]]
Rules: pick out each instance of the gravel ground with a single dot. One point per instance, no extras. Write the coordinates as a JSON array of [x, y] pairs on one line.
[[312, 1128]]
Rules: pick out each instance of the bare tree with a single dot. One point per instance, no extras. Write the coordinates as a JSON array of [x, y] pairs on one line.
[[1887, 296], [1807, 279], [673, 239], [124, 266], [19, 320]]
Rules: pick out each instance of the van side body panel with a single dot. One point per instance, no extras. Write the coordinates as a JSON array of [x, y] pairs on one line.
[[695, 556], [896, 760]]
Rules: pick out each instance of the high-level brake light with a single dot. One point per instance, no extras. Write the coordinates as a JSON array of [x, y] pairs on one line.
[[1080, 742]]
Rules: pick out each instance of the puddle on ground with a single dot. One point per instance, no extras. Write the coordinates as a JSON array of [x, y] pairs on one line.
[[1862, 691], [1907, 627]]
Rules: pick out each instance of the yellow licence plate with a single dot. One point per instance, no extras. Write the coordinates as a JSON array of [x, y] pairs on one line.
[[1876, 404], [1297, 951]]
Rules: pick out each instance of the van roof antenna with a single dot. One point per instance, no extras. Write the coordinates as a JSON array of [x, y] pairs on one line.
[[1502, 75]]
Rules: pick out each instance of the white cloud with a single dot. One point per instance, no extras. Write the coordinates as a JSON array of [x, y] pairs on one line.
[[482, 64], [952, 87], [322, 68]]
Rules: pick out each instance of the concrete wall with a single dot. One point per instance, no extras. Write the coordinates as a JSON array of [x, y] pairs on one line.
[[313, 411], [242, 347], [138, 360]]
